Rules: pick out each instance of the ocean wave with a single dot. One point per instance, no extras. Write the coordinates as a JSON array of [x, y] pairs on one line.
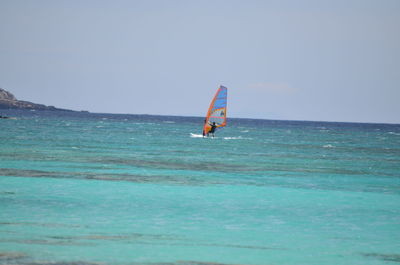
[[237, 138]]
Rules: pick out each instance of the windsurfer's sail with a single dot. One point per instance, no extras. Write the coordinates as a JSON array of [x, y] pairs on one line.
[[217, 111]]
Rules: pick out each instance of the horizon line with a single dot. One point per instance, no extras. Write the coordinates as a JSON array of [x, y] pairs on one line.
[[193, 116]]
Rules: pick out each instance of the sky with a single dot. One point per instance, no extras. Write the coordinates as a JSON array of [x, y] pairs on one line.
[[289, 60]]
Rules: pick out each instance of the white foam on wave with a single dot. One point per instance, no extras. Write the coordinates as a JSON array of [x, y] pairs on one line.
[[194, 135], [328, 146], [233, 138], [393, 133], [237, 138]]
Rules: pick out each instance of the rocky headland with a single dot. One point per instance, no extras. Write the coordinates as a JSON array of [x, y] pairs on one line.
[[9, 101]]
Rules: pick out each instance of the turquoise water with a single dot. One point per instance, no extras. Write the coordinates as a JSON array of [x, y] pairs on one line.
[[78, 188]]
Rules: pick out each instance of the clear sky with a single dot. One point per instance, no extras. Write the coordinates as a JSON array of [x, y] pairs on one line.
[[295, 60]]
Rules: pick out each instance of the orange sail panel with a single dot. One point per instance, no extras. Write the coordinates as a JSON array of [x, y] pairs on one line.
[[217, 110]]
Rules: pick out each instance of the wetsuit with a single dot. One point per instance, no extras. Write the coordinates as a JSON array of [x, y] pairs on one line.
[[212, 130]]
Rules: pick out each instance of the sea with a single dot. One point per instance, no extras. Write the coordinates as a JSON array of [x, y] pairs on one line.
[[84, 188]]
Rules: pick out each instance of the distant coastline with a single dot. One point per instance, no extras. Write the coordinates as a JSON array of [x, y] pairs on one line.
[[9, 101]]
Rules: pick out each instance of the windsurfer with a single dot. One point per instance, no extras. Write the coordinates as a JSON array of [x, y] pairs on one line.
[[216, 112], [212, 130]]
